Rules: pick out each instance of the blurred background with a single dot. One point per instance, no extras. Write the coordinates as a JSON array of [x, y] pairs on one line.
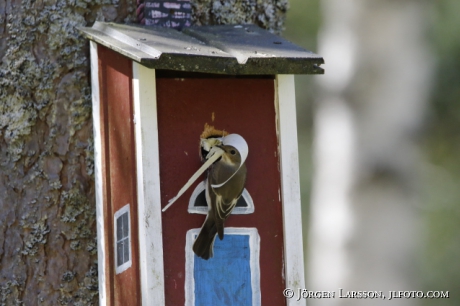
[[379, 146]]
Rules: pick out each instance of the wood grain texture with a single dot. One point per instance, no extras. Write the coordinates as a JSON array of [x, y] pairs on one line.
[[244, 106], [120, 168]]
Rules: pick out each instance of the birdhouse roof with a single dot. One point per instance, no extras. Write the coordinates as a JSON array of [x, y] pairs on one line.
[[222, 49]]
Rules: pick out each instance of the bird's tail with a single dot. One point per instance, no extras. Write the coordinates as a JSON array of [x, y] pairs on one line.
[[204, 243]]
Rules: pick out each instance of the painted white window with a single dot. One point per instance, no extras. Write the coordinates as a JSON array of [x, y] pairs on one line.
[[224, 279], [122, 233], [198, 205]]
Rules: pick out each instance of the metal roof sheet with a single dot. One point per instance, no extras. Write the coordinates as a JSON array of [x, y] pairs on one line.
[[223, 49]]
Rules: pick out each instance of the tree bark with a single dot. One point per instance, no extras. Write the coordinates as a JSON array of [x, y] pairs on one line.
[[47, 221]]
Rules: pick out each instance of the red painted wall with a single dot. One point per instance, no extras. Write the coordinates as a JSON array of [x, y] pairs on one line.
[[239, 105], [119, 169]]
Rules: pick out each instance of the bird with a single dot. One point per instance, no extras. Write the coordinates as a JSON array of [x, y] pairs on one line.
[[225, 184]]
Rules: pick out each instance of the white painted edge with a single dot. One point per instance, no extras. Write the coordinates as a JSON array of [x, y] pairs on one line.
[[254, 245], [290, 184], [204, 210], [101, 235], [148, 186], [125, 266]]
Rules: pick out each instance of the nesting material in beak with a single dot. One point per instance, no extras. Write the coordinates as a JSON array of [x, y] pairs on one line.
[[211, 140], [213, 155]]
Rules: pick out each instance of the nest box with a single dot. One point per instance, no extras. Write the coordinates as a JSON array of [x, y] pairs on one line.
[[153, 91]]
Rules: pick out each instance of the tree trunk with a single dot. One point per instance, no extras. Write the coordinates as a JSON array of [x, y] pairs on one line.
[[364, 217], [47, 222]]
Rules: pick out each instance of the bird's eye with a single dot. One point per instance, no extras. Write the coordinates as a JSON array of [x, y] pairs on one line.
[[233, 152]]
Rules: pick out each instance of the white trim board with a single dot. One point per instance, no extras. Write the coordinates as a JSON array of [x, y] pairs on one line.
[[290, 186], [100, 217], [148, 186], [254, 245]]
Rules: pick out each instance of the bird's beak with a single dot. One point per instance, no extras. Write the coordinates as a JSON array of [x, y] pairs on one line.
[[215, 150]]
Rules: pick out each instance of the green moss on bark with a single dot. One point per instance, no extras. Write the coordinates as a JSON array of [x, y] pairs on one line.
[[48, 246], [268, 14]]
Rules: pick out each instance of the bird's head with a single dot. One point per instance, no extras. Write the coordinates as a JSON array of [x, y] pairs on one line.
[[235, 147], [231, 155]]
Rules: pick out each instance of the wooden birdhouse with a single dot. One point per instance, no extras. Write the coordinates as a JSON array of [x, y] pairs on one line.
[[156, 91]]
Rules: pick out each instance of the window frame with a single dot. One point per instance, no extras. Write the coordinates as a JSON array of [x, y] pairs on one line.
[[126, 265], [254, 262]]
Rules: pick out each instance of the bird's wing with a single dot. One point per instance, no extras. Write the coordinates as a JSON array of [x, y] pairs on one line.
[[222, 211]]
